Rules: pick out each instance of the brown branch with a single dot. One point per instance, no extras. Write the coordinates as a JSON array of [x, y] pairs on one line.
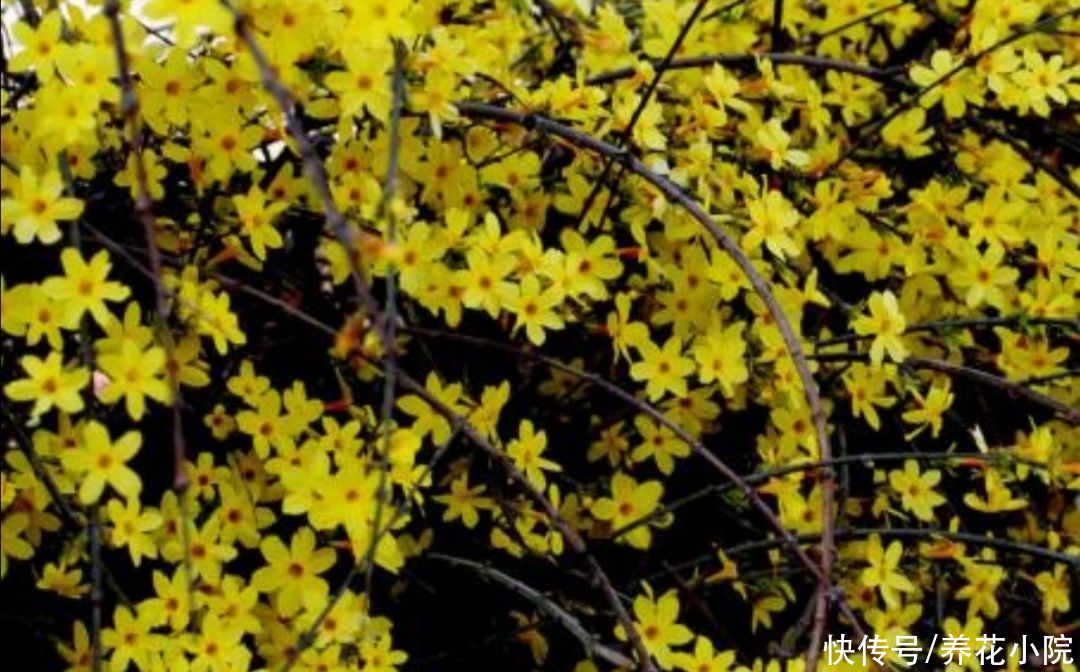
[[1066, 412], [389, 321], [1029, 154], [750, 59], [313, 165], [867, 459], [144, 209], [960, 323], [627, 132], [1006, 545], [1069, 414]]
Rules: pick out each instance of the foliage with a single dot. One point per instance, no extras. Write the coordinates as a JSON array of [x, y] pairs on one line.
[[682, 333]]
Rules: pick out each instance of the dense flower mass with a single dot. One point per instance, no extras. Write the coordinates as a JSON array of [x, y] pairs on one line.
[[538, 334]]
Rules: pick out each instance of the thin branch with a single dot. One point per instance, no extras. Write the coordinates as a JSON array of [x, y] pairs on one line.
[[867, 459], [1007, 545], [1069, 414], [964, 64], [1066, 412], [144, 210], [542, 603], [1058, 175], [313, 166], [389, 321], [847, 25], [749, 59], [960, 323], [627, 132]]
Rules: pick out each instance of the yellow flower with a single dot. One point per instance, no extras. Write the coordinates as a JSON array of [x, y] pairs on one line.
[[721, 357], [204, 547], [772, 137], [1042, 80], [190, 17], [130, 639], [293, 572], [624, 332], [771, 217], [39, 47], [659, 443], [12, 542], [535, 309], [955, 92], [663, 370], [984, 277], [130, 527], [886, 324], [84, 287], [37, 203], [47, 384], [866, 386], [882, 571], [916, 490], [527, 453], [906, 132], [365, 83], [267, 425], [1055, 590], [980, 591], [998, 497], [930, 409], [101, 462], [135, 374], [656, 623], [629, 502], [170, 604], [705, 658], [257, 220], [428, 420], [62, 581], [486, 287], [464, 502]]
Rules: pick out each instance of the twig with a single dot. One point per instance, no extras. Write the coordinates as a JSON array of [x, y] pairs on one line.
[[94, 531], [750, 59], [960, 323], [144, 210], [960, 67], [313, 166], [810, 39], [867, 459], [777, 36], [1066, 412], [544, 604], [1007, 545], [1058, 175], [628, 131], [1069, 414], [389, 321]]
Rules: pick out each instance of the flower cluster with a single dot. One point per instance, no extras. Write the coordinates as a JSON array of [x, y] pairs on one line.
[[309, 305]]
